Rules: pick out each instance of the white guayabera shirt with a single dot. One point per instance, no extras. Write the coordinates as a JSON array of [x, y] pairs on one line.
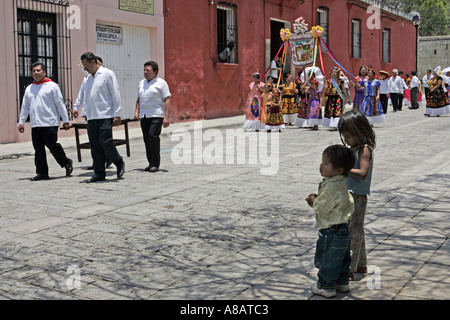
[[44, 104]]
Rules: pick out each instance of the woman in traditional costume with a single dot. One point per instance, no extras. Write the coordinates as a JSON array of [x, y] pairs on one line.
[[275, 116], [254, 102], [371, 106], [288, 105], [359, 92], [437, 99], [334, 95], [309, 120], [302, 116], [314, 108]]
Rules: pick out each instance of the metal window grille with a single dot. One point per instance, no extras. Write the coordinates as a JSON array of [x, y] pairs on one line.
[[227, 31], [41, 35], [322, 20], [386, 45], [356, 38]]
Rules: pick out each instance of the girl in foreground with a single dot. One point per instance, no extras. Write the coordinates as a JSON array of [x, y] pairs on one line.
[[357, 133]]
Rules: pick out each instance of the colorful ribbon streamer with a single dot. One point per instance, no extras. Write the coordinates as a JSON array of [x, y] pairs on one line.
[[267, 71], [283, 61], [334, 58], [321, 59], [315, 57]]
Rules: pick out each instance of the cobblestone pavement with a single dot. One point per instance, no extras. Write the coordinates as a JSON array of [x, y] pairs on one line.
[[202, 231]]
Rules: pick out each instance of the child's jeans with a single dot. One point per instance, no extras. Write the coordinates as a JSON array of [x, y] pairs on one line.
[[332, 256]]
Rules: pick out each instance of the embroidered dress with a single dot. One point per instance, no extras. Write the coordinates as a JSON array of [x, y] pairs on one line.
[[314, 108], [437, 99], [252, 117], [372, 110], [333, 104], [267, 101], [275, 116], [359, 96], [288, 105], [302, 120]]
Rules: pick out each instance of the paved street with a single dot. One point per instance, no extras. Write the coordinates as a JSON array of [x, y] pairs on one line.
[[208, 229]]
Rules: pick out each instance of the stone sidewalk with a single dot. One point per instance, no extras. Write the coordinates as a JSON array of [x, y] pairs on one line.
[[206, 230]]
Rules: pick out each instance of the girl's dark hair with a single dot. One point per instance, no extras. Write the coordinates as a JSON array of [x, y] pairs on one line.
[[360, 68], [356, 124], [340, 157]]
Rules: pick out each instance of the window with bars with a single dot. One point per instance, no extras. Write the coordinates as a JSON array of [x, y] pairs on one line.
[[42, 36], [356, 38], [227, 32], [36, 34], [386, 45], [322, 20]]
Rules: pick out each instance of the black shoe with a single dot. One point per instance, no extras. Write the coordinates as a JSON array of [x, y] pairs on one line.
[[147, 169], [40, 177], [69, 168], [120, 169], [154, 169], [95, 179]]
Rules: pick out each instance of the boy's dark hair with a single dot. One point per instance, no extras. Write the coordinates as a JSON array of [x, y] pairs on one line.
[[152, 64], [340, 157], [37, 64]]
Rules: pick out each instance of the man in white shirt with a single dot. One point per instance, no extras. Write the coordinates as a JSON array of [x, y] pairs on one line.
[[395, 89], [416, 87], [153, 108], [44, 103], [275, 68], [101, 99], [226, 53]]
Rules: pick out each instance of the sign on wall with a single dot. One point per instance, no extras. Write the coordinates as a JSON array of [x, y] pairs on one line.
[[138, 6], [109, 34]]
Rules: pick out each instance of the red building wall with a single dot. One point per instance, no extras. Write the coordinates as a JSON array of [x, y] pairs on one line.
[[204, 89]]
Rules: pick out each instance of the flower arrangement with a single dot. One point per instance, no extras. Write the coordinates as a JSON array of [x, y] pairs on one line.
[[317, 31], [300, 26], [285, 34]]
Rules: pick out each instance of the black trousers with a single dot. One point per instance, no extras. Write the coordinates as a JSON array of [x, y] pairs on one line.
[[384, 102], [151, 130], [414, 97], [47, 137], [102, 145], [395, 101]]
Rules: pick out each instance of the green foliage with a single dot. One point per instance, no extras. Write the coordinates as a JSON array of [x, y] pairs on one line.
[[434, 14]]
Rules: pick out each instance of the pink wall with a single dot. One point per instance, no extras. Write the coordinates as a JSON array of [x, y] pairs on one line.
[[202, 88]]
